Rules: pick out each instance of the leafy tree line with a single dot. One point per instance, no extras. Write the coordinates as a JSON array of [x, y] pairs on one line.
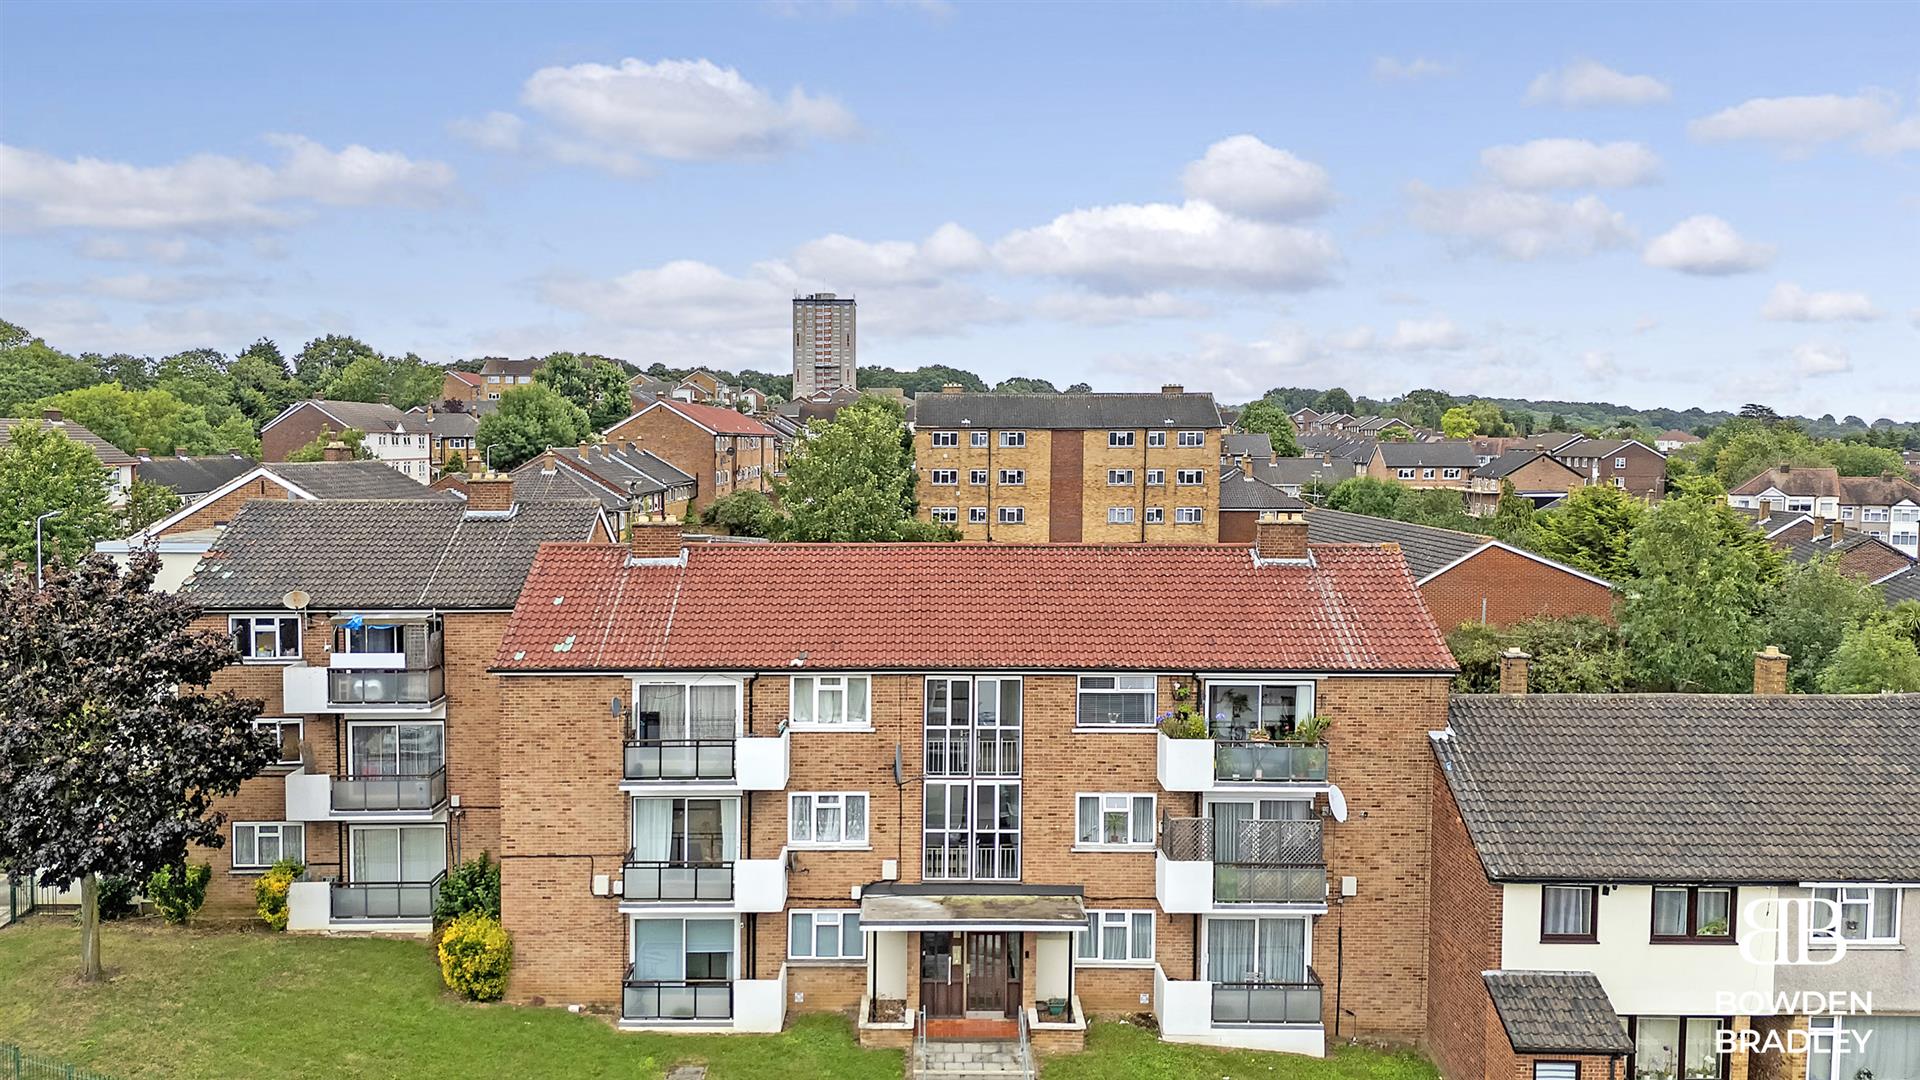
[[1743, 447]]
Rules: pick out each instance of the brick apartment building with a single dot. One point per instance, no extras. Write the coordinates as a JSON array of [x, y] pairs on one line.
[[398, 439], [1534, 475], [1070, 468], [1604, 864], [366, 628], [1628, 464], [723, 450], [907, 811], [1447, 464]]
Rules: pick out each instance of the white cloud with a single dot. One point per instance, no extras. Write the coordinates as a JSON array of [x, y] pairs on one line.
[[209, 191], [1791, 303], [1587, 83], [116, 249], [1140, 248], [1099, 309], [1798, 124], [1389, 69], [1570, 163], [1518, 225], [847, 261], [1704, 244], [1814, 360], [1421, 335], [498, 131], [1243, 175], [688, 110], [148, 289], [1599, 364]]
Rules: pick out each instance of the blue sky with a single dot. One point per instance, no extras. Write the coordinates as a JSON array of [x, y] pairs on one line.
[[1655, 205]]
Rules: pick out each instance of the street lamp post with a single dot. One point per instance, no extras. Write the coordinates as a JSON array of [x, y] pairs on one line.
[[39, 575]]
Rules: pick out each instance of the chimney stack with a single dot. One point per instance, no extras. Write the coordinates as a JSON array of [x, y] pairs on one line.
[[1281, 539], [337, 451], [490, 492], [1770, 671], [650, 537], [1172, 388], [1513, 671], [951, 388], [52, 416]]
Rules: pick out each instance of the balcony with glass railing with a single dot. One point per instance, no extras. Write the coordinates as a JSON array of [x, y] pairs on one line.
[[366, 797], [1209, 865], [716, 756], [385, 901], [1267, 1002], [1221, 763]]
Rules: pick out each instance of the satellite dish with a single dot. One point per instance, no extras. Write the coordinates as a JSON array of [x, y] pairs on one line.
[[613, 705], [296, 600], [899, 770], [1337, 802]]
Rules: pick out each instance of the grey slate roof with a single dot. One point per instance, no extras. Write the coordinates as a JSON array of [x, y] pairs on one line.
[[1904, 585], [1085, 411], [1340, 447], [1513, 460], [603, 474], [445, 423], [364, 416], [381, 554], [1258, 445], [109, 454], [1556, 1012], [192, 476], [1450, 453], [1247, 491], [355, 480], [1426, 548], [1731, 788], [1301, 471]]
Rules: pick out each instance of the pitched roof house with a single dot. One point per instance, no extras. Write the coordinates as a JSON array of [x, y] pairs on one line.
[[121, 466], [191, 477], [1534, 474], [1445, 464], [1673, 439], [723, 449], [1886, 507], [1628, 464], [400, 440], [614, 474], [1633, 841]]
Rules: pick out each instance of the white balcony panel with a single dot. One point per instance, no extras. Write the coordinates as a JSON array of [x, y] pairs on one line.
[[762, 763], [303, 690], [1183, 888], [760, 884], [1185, 1011], [1185, 764], [309, 797], [371, 661], [760, 1005]]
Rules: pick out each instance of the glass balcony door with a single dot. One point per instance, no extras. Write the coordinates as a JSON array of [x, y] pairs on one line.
[[683, 849], [394, 872], [683, 732], [683, 969], [392, 767]]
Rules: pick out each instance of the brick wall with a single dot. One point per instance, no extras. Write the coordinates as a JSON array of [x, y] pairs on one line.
[[1034, 496], [293, 432], [216, 512], [1464, 941], [1509, 588], [684, 445]]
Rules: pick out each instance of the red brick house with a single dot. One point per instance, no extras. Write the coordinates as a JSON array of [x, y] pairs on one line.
[[1628, 464], [907, 811], [723, 450]]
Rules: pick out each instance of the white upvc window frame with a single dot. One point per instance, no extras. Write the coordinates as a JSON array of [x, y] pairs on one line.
[[1156, 478], [1151, 692], [945, 515], [818, 800], [943, 477], [813, 917], [1870, 902], [1013, 440], [1013, 515], [1156, 515], [1406, 474], [1426, 474], [1105, 804], [944, 439], [1119, 477], [1119, 440], [1449, 474], [1119, 515], [279, 619], [977, 477], [1139, 952], [1193, 438], [279, 829], [976, 515], [850, 686], [978, 438], [1013, 477], [1189, 515], [1189, 477], [278, 725], [1156, 438]]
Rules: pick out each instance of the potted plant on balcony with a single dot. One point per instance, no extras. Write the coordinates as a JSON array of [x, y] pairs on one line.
[[1310, 731], [1183, 721]]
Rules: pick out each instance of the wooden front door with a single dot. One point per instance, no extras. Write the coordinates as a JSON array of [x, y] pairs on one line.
[[993, 973], [941, 985]]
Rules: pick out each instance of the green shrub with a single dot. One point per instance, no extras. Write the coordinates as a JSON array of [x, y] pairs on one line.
[[270, 891], [475, 953], [116, 897], [472, 886], [179, 891]]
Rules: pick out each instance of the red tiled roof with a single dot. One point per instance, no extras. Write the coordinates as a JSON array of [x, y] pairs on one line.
[[950, 606], [467, 377], [721, 420]]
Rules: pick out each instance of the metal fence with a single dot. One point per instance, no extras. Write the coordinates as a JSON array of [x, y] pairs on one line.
[[18, 1064]]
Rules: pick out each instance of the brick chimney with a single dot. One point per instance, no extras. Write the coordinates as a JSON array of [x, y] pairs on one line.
[[1513, 671], [337, 451], [650, 537], [1284, 539], [1172, 388], [952, 388], [52, 416], [489, 493], [1770, 671]]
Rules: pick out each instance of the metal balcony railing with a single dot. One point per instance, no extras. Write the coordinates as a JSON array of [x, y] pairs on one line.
[[668, 880], [347, 686], [376, 793], [1257, 760], [679, 759], [675, 999], [997, 752], [1255, 861], [386, 899], [986, 861], [947, 755], [1256, 1002]]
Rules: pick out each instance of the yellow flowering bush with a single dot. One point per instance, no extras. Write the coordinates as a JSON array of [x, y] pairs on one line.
[[475, 952]]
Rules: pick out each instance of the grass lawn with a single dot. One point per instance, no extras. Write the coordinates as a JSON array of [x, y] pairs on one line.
[[183, 1003]]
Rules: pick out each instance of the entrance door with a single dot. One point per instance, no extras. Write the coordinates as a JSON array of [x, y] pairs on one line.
[[941, 989], [993, 973]]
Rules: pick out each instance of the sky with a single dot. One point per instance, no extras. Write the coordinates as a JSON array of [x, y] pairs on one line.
[[1654, 205]]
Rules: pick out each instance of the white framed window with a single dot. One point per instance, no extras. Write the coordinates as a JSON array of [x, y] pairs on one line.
[[1193, 438], [1119, 440], [1013, 440], [1868, 915], [1120, 477], [1619, 463], [1013, 515], [265, 637], [945, 477], [1122, 819], [287, 731], [1556, 1070], [827, 818], [1156, 438], [1119, 515], [1449, 474], [1115, 700], [977, 477], [1406, 474], [1190, 477], [946, 515], [1013, 477], [1156, 478], [824, 935], [1620, 482], [977, 438], [1116, 937], [1853, 1046], [259, 844], [1187, 515], [1426, 474], [946, 438], [830, 699], [1156, 515], [976, 515]]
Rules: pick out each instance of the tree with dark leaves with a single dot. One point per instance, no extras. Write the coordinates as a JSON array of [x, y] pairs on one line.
[[111, 752]]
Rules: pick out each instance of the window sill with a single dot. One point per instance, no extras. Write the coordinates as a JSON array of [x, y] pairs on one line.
[[1121, 965], [1859, 946], [1113, 849], [796, 845], [247, 871], [1595, 940], [853, 729], [1114, 729], [815, 962], [1692, 941], [282, 661]]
